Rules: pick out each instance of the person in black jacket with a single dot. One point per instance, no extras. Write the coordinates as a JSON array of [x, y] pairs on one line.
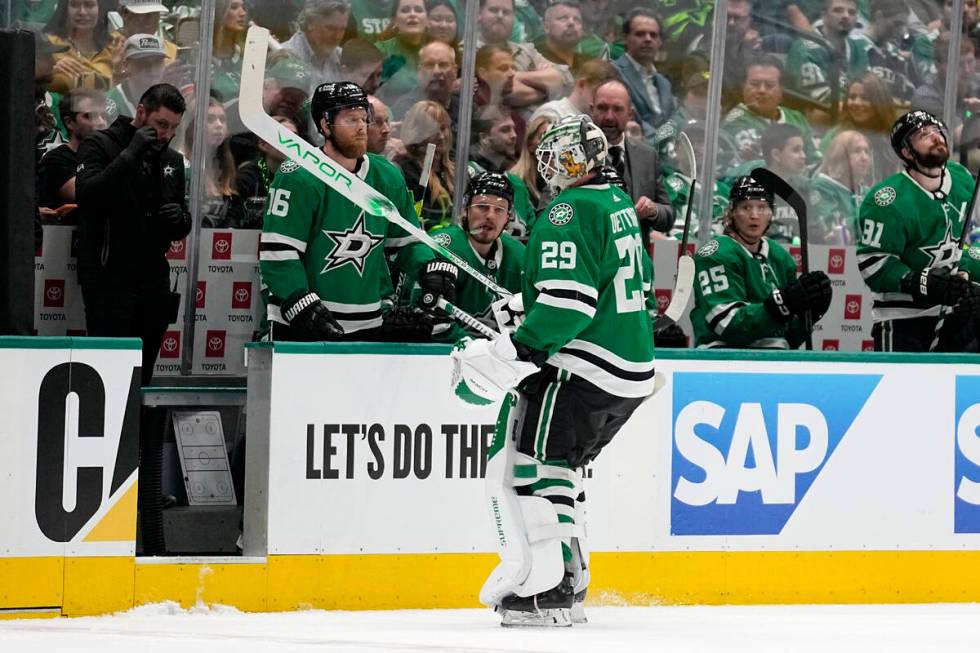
[[130, 187]]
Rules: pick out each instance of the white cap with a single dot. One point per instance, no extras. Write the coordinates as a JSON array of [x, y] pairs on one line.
[[139, 46], [143, 6]]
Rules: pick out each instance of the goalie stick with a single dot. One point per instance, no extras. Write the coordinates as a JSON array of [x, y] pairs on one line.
[[788, 194], [684, 280], [465, 318], [317, 163]]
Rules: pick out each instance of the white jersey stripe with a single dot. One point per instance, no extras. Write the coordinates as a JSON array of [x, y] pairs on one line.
[[610, 383], [269, 237], [569, 304], [564, 284], [610, 357], [279, 255]]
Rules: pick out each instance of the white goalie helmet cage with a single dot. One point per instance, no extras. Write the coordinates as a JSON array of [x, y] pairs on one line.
[[572, 148]]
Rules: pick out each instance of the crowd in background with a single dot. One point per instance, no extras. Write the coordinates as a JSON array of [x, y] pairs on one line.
[[810, 89]]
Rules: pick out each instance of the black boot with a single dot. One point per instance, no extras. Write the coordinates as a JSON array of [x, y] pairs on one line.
[[550, 608]]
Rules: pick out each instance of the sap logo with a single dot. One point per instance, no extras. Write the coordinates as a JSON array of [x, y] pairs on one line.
[[748, 447], [966, 488]]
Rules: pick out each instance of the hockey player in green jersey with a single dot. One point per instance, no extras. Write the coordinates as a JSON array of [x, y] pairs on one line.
[[746, 292], [582, 362], [909, 225], [480, 240], [322, 259]]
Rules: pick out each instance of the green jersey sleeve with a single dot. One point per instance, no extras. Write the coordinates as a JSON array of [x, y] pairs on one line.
[[883, 236], [295, 199]]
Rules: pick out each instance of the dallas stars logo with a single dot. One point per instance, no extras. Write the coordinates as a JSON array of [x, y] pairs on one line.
[[168, 170], [943, 252], [352, 246]]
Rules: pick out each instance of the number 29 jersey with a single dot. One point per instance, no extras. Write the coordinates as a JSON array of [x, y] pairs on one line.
[[585, 288]]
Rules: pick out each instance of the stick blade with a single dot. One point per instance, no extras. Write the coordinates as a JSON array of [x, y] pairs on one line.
[[683, 289]]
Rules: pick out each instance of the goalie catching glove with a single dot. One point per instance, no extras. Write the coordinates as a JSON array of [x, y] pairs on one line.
[[309, 317], [936, 286], [811, 292], [485, 370], [508, 312]]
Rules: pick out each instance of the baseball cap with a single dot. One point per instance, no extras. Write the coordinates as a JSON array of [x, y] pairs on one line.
[[290, 73], [140, 46], [143, 6]]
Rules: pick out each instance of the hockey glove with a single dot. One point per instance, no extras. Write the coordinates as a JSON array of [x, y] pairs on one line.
[[936, 286], [310, 319], [144, 139], [811, 291], [406, 324], [484, 370], [437, 279], [508, 312], [668, 334]]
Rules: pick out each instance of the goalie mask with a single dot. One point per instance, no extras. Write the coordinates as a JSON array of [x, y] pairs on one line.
[[570, 150]]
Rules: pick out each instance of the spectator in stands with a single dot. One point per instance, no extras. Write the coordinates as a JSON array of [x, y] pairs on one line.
[[601, 32], [495, 76], [590, 75], [360, 62], [650, 92], [289, 89], [784, 154], [535, 78], [220, 210], [559, 43], [139, 17], [526, 168], [443, 22], [743, 44], [379, 129], [837, 189], [130, 188], [278, 16], [230, 23], [48, 134], [882, 45], [87, 63], [436, 77], [317, 41], [870, 110], [809, 64], [929, 96], [635, 162], [144, 61], [253, 178], [923, 48], [762, 92], [495, 141], [83, 112], [427, 122], [406, 36], [371, 18]]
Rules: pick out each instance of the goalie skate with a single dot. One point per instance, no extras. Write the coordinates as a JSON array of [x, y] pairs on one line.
[[546, 618]]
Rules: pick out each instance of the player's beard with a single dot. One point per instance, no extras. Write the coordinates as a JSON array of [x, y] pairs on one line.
[[353, 147], [934, 158]]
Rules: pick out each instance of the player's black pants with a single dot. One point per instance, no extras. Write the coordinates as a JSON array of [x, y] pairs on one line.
[[568, 418], [114, 312], [916, 334]]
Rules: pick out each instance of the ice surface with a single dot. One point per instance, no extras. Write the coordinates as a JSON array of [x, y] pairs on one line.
[[165, 628]]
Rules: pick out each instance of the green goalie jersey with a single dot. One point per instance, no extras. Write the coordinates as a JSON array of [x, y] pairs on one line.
[[729, 290], [314, 239], [904, 228], [584, 298], [504, 265]]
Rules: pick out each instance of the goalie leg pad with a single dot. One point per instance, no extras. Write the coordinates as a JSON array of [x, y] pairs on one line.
[[527, 530]]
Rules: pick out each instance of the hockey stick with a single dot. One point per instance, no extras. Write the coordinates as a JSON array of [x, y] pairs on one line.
[[430, 155], [788, 194], [317, 163], [964, 232], [684, 279], [465, 318]]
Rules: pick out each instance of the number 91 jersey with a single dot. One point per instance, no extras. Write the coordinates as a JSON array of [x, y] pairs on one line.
[[585, 288]]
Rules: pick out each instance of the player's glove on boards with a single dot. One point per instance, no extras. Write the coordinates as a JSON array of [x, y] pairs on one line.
[[937, 286], [407, 324], [810, 292], [437, 279], [484, 370], [310, 318]]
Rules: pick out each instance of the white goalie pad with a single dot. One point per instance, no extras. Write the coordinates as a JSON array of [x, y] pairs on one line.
[[526, 528], [580, 549]]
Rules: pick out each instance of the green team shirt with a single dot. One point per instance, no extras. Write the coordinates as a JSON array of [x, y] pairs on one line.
[[505, 266], [833, 211], [808, 66], [314, 239], [678, 187], [584, 290], [730, 287], [904, 228], [371, 17], [745, 129]]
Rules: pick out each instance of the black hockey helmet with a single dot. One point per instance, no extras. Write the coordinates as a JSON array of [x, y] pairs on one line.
[[489, 183], [748, 188], [910, 123], [333, 97]]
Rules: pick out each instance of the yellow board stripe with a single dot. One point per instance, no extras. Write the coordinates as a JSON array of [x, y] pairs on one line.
[[383, 582]]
